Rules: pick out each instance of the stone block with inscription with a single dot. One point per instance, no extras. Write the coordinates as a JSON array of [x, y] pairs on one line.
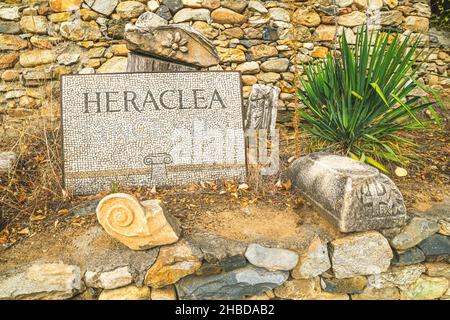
[[356, 196]]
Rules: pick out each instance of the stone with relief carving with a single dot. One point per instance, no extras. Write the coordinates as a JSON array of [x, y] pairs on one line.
[[138, 225], [175, 42]]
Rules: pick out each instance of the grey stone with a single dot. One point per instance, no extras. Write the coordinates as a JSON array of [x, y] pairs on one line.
[[231, 285], [164, 12], [417, 230], [312, 262], [360, 254], [7, 160], [400, 277], [85, 209], [105, 7], [271, 258], [116, 28], [261, 112], [275, 65], [9, 13], [189, 14], [436, 245], [43, 281], [354, 195], [408, 257], [68, 59], [9, 27], [270, 34], [173, 5], [233, 262], [149, 20], [113, 279]]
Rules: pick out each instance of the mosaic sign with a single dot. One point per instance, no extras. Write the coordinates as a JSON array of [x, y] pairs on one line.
[[151, 129]]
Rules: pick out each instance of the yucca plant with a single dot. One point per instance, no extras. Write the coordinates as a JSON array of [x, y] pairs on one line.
[[356, 103]]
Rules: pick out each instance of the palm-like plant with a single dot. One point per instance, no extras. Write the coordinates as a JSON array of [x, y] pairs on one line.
[[357, 103]]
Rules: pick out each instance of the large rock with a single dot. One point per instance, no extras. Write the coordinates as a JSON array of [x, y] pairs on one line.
[[113, 279], [64, 5], [46, 281], [414, 232], [391, 18], [235, 5], [126, 293], [189, 14], [34, 24], [139, 226], [353, 19], [37, 57], [351, 285], [305, 289], [400, 277], [354, 195], [9, 27], [325, 32], [271, 258], [360, 254], [251, 67], [408, 257], [10, 42], [177, 42], [226, 16], [149, 20], [78, 30], [130, 9], [389, 293], [306, 17], [173, 263], [426, 288], [263, 51], [105, 7], [436, 245], [313, 261], [236, 284], [9, 13], [417, 24], [7, 161], [275, 65]]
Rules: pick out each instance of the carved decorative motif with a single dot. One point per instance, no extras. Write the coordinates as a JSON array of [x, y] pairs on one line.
[[175, 43]]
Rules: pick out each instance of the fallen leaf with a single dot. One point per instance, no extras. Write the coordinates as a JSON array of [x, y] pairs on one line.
[[287, 185], [38, 217], [24, 231], [400, 172]]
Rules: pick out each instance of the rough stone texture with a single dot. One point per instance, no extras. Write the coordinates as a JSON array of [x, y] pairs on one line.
[[226, 16], [149, 20], [199, 51], [304, 289], [275, 65], [272, 259], [126, 293], [173, 263], [37, 57], [139, 226], [438, 269], [313, 261], [410, 256], [166, 293], [7, 161], [348, 285], [64, 5], [11, 42], [397, 276], [414, 232], [261, 112], [353, 19], [114, 65], [188, 14], [130, 9], [426, 288], [389, 293], [354, 195], [34, 24], [113, 279], [436, 245], [236, 284], [347, 260], [105, 7], [50, 281]]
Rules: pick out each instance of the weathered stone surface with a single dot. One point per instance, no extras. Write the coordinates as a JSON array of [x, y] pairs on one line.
[[166, 293], [261, 111], [126, 293], [78, 30], [130, 9], [263, 51], [410, 256], [10, 42], [391, 18], [149, 20], [353, 19], [226, 16], [231, 54], [34, 24], [444, 227], [189, 14], [205, 29], [46, 281], [9, 13], [355, 196], [64, 5], [173, 5], [438, 269], [351, 285], [389, 293], [313, 262], [178, 42], [257, 6], [7, 160], [413, 233], [248, 67], [9, 27], [319, 52], [436, 245], [105, 7], [400, 277], [279, 14], [391, 3], [235, 5], [272, 259], [236, 284], [417, 24], [173, 263], [68, 59], [36, 57], [305, 289], [113, 279], [347, 258], [138, 225], [426, 288], [306, 17], [275, 65], [325, 32]]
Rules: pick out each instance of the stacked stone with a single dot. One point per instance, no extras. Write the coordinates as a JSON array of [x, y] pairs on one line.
[[41, 40]]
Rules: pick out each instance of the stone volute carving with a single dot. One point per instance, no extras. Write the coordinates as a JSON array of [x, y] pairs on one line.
[[176, 42], [138, 225]]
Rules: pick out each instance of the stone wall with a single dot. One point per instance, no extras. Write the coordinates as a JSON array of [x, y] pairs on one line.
[[41, 40]]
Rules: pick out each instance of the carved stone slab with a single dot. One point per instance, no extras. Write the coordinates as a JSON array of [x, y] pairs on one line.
[[139, 226], [175, 42], [262, 107], [356, 196]]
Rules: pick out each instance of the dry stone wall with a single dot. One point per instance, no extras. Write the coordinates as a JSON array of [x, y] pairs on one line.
[[41, 40]]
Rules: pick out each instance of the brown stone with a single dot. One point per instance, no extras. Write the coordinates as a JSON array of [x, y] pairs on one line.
[[306, 17], [173, 263], [34, 24], [391, 18], [64, 5], [80, 30], [231, 54], [8, 60], [248, 80], [319, 52], [235, 32], [88, 15], [139, 226], [353, 19], [389, 293], [268, 77], [10, 42], [36, 57], [59, 17], [165, 293], [226, 16], [119, 50], [417, 24], [205, 29], [307, 289], [10, 75], [126, 293], [263, 51], [130, 9], [325, 33]]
